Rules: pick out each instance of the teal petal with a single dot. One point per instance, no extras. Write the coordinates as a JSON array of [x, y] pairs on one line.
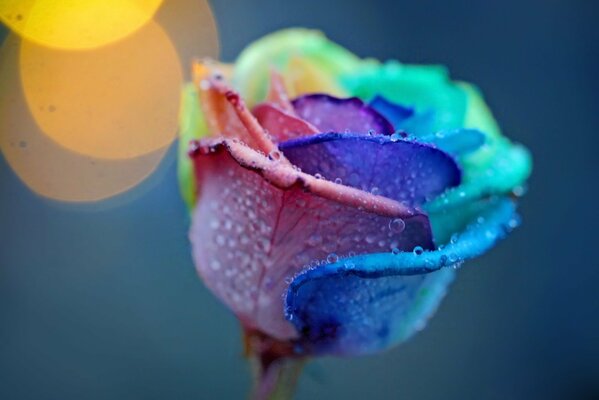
[[457, 142], [426, 88], [505, 167]]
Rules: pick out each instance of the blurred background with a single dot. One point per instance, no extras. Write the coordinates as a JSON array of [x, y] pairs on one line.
[[101, 300]]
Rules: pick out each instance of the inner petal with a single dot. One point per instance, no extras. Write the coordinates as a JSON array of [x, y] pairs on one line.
[[331, 114]]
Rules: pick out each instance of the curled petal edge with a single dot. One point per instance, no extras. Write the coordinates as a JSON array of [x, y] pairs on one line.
[[314, 285]]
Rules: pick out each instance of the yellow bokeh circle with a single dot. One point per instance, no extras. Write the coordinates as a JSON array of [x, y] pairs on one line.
[[76, 24], [47, 168], [117, 101]]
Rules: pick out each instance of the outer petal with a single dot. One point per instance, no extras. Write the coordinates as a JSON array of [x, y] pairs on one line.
[[332, 114], [192, 126], [369, 303], [505, 169], [403, 170], [255, 227]]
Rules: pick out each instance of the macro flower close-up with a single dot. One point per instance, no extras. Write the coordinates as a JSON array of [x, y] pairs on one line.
[[277, 200], [333, 198]]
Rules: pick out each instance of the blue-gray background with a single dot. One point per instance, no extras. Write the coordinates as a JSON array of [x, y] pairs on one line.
[[104, 303]]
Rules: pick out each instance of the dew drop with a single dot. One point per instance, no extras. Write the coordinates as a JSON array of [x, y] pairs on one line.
[[220, 240], [215, 265], [397, 225], [338, 181], [332, 258], [418, 250], [275, 155], [514, 223], [520, 191], [395, 251], [454, 238]]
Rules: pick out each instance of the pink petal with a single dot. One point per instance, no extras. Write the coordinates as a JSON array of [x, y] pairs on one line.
[[277, 95], [282, 125], [259, 222]]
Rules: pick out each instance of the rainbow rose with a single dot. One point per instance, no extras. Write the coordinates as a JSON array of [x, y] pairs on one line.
[[333, 198]]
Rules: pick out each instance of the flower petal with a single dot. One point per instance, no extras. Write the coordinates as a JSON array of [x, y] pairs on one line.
[[406, 171], [457, 142], [395, 113], [332, 114], [192, 126], [425, 87], [281, 125], [369, 303], [219, 114], [277, 93], [257, 224], [505, 168], [305, 57]]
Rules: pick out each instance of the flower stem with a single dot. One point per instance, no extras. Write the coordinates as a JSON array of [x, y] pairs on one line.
[[275, 364], [278, 380]]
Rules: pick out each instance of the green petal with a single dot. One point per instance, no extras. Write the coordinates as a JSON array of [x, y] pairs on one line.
[[191, 126], [275, 50]]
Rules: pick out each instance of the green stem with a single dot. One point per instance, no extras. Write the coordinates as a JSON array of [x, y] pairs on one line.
[[276, 381], [276, 366]]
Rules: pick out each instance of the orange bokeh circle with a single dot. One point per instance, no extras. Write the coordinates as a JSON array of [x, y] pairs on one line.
[[47, 168]]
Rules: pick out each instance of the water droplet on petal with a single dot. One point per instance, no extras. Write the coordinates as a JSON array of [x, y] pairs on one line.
[[275, 155], [397, 225], [332, 258], [418, 250]]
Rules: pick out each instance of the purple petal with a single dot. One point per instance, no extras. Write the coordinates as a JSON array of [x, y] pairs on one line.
[[250, 238], [331, 114], [405, 171]]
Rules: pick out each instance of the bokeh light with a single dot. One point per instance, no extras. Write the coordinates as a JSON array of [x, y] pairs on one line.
[[48, 168], [90, 90], [118, 101], [192, 29], [76, 24]]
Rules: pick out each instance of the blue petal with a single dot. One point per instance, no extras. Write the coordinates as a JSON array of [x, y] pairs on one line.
[[403, 170], [395, 113], [457, 142], [405, 119], [371, 302], [420, 124]]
